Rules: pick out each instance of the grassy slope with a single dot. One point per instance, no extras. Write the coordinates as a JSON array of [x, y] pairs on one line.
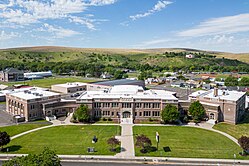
[[111, 56], [188, 142], [234, 130], [47, 82], [17, 129], [66, 140]]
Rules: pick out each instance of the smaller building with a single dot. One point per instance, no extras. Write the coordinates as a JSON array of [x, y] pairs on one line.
[[190, 56], [29, 104], [37, 75], [70, 87], [221, 105], [11, 75]]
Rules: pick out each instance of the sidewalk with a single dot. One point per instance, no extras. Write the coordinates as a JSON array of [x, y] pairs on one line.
[[127, 142]]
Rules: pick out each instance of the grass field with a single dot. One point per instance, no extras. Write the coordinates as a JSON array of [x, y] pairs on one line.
[[17, 129], [47, 82], [188, 142], [234, 130], [66, 140]]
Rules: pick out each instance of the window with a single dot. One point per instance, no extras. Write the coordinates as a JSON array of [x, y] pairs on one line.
[[156, 105], [135, 113], [138, 105], [146, 113], [156, 113], [140, 113], [112, 113], [106, 113], [114, 104], [106, 105], [146, 105], [126, 105], [97, 105]]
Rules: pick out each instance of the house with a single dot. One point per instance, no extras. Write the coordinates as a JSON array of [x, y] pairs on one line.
[[11, 75], [105, 75], [190, 56], [178, 84]]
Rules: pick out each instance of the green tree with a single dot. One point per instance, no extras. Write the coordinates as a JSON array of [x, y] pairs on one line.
[[46, 158], [118, 74], [197, 110], [82, 113], [170, 113], [4, 139], [144, 75], [231, 81], [244, 81]]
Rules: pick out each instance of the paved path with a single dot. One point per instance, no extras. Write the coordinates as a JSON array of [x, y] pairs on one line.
[[127, 142]]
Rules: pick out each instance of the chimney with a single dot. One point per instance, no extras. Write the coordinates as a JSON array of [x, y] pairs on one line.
[[215, 92]]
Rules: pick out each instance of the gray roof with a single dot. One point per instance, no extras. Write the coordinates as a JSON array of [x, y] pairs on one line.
[[12, 70], [119, 82]]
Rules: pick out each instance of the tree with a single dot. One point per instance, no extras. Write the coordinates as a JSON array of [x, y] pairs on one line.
[[244, 142], [4, 139], [113, 142], [46, 158], [231, 81], [244, 81], [197, 110], [143, 142], [170, 113], [144, 75], [118, 74], [82, 113]]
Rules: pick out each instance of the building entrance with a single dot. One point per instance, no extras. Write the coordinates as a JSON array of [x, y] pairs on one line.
[[126, 118], [126, 114]]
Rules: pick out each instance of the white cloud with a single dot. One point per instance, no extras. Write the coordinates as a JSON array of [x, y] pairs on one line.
[[58, 32], [87, 22], [6, 36], [158, 7], [221, 25], [101, 2]]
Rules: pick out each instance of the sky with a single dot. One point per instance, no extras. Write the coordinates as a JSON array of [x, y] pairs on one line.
[[217, 25]]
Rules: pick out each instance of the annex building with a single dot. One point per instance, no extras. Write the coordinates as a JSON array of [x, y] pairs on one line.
[[221, 105], [127, 102]]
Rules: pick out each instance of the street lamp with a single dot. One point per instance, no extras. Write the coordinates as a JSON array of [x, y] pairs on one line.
[[157, 140]]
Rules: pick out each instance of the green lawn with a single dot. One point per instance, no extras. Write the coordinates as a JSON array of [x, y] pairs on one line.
[[66, 140], [17, 129], [188, 142], [47, 82], [234, 130]]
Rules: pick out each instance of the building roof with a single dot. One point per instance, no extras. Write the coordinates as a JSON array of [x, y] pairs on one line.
[[12, 70], [71, 84], [118, 82], [222, 94], [33, 93], [128, 91]]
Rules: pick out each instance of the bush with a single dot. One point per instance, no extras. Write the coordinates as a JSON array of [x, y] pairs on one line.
[[151, 120], [109, 119], [104, 119]]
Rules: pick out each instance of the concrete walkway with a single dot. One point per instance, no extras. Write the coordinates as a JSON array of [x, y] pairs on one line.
[[127, 142]]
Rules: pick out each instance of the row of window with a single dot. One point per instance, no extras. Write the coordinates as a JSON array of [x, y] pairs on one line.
[[99, 113], [15, 104], [127, 105]]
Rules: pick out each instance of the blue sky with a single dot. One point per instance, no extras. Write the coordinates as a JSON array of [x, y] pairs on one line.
[[219, 25]]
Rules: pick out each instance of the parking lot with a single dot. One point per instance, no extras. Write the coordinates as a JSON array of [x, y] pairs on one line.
[[5, 118]]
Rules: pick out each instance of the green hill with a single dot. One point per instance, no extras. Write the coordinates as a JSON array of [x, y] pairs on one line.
[[49, 57]]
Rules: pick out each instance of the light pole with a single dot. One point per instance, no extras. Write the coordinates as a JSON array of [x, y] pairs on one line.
[[118, 123], [157, 140], [234, 156]]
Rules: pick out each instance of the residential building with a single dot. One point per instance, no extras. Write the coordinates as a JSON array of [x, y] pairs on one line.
[[190, 56], [11, 75], [70, 87], [221, 105], [127, 102]]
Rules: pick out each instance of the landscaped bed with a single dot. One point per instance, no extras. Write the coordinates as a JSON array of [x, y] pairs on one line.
[[187, 142], [73, 139]]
